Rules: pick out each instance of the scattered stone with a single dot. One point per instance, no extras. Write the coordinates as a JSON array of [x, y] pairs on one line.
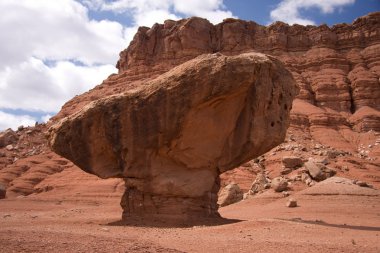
[[3, 191], [291, 203], [319, 171], [279, 184], [8, 137], [29, 132], [230, 194], [286, 171], [260, 183], [305, 177], [322, 160], [292, 162], [295, 178], [9, 147]]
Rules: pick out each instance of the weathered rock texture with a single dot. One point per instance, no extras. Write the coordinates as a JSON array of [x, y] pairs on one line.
[[170, 138]]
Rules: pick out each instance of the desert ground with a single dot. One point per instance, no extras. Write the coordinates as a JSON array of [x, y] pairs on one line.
[[332, 216]]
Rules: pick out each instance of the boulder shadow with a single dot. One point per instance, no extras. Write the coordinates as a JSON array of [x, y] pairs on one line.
[[171, 223]]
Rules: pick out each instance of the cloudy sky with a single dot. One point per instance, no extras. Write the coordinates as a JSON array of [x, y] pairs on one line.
[[51, 51]]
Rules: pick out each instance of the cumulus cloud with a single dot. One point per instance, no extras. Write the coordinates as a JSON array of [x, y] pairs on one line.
[[13, 121], [289, 10], [32, 85], [58, 30], [148, 12], [53, 50]]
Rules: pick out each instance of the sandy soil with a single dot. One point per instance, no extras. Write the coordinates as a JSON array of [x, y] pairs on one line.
[[341, 221]]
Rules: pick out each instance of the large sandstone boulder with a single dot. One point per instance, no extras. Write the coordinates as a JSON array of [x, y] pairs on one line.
[[170, 138], [230, 194]]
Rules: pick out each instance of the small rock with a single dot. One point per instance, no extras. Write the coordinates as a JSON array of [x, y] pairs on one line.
[[285, 194], [286, 171], [230, 194], [322, 160], [105, 229], [20, 128], [9, 147], [279, 184], [291, 203], [7, 216], [2, 154], [259, 184], [292, 162]]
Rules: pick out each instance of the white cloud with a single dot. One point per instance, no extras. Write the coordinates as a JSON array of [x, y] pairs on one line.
[[289, 10], [53, 50], [58, 30], [46, 118], [148, 12], [32, 85], [13, 121]]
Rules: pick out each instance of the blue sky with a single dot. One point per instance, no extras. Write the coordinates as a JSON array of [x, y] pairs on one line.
[[54, 50], [259, 11]]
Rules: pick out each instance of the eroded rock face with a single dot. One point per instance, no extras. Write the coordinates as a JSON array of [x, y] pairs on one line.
[[171, 137]]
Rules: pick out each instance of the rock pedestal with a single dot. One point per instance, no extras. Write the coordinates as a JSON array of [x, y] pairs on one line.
[[171, 137]]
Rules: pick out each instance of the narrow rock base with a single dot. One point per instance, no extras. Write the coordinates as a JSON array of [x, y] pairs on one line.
[[138, 204]]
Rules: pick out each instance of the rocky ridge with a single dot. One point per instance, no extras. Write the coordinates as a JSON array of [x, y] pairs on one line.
[[336, 116]]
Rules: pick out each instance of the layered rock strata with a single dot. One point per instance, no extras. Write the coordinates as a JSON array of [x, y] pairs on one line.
[[171, 137]]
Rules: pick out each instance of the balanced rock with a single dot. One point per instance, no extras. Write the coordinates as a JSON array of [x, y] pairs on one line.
[[171, 137], [230, 194]]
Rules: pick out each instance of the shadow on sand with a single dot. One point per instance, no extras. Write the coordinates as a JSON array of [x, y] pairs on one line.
[[322, 223], [172, 223]]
